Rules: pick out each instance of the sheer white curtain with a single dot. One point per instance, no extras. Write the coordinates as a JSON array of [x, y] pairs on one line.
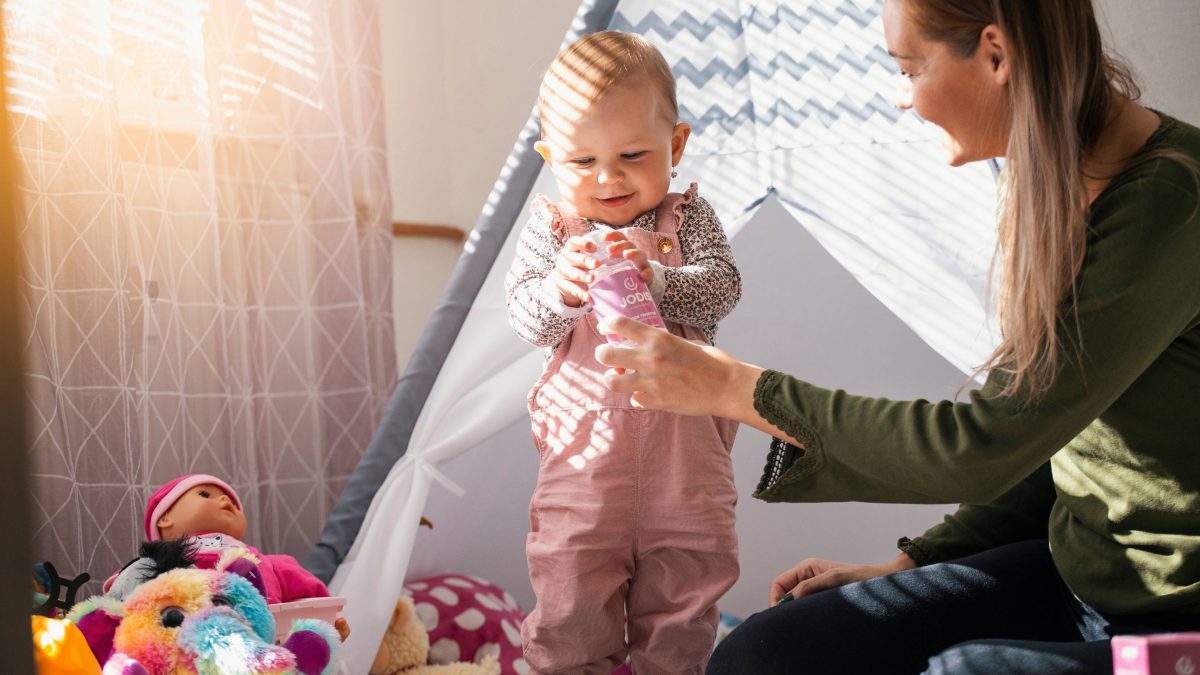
[[206, 247]]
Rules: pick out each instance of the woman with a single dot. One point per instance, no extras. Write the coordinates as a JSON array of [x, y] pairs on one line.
[[1077, 462]]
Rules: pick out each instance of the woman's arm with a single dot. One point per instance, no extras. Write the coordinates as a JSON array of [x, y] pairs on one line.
[[1020, 514], [665, 372], [1136, 294], [817, 574]]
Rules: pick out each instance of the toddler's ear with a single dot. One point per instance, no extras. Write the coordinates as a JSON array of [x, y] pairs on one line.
[[679, 139], [543, 150], [164, 522]]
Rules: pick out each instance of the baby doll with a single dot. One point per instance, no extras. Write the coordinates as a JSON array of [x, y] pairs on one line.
[[207, 511]]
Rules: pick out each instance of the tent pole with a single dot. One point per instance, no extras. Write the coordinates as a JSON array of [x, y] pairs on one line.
[[391, 439]]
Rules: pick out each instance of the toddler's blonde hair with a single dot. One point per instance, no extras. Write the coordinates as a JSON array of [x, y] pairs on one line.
[[599, 62]]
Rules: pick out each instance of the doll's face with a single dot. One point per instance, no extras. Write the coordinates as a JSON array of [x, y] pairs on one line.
[[204, 508]]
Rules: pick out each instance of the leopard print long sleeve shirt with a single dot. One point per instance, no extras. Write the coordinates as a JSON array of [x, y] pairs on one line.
[[699, 293]]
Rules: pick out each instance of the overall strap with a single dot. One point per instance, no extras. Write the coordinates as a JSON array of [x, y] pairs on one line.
[[563, 226], [669, 214]]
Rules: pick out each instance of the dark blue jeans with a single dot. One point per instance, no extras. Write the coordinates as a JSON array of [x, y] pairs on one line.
[[1005, 610]]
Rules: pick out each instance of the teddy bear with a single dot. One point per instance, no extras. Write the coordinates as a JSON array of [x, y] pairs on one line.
[[205, 621], [405, 649]]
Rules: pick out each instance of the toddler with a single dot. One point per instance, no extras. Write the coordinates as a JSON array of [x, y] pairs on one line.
[[632, 539]]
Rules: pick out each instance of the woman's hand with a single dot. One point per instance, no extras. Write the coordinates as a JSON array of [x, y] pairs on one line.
[[620, 247], [572, 270], [665, 372], [812, 575]]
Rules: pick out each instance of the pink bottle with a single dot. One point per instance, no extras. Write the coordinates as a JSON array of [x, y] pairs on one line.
[[618, 289]]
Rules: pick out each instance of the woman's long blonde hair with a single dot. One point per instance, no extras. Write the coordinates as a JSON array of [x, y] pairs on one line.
[[1063, 89]]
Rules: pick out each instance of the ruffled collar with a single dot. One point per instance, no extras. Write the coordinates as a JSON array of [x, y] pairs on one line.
[[645, 222]]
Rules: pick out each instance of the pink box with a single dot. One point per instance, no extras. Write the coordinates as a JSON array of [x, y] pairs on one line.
[[1162, 654], [326, 609]]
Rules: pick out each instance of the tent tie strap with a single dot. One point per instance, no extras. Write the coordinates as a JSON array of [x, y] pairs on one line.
[[440, 477]]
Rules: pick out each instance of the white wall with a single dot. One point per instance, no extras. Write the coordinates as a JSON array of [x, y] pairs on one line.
[[1159, 39], [461, 78]]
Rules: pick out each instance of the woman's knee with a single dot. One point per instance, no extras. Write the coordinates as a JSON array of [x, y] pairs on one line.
[[731, 655], [749, 648]]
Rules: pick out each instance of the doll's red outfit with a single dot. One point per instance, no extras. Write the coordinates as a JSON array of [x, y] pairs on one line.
[[283, 577], [632, 520]]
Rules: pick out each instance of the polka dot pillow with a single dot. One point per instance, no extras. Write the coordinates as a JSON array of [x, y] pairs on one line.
[[468, 619]]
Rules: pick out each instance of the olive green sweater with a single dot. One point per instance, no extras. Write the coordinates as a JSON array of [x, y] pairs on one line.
[[1106, 464]]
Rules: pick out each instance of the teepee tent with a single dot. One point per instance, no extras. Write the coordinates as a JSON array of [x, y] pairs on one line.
[[863, 258]]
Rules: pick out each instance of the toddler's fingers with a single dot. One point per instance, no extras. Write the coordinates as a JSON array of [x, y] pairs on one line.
[[579, 244], [627, 247], [615, 236], [570, 289], [583, 261], [570, 271]]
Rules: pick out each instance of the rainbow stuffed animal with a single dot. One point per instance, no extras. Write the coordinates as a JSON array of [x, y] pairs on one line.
[[189, 621]]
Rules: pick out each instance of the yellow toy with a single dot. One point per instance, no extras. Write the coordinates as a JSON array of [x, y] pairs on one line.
[[60, 649], [405, 649]]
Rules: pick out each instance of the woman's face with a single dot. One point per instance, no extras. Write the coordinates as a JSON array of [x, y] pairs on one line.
[[966, 97]]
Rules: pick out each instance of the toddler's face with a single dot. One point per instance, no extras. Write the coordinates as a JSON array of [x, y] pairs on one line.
[[204, 508], [612, 160]]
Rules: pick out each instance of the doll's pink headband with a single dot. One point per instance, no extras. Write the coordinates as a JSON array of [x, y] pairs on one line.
[[165, 497]]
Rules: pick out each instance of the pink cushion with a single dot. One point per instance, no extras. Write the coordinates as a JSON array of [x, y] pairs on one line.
[[469, 618]]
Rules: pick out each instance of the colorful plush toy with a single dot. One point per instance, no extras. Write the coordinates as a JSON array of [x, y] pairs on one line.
[[189, 621], [405, 649], [154, 558]]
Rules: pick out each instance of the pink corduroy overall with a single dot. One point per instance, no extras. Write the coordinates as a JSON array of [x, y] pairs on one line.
[[633, 514]]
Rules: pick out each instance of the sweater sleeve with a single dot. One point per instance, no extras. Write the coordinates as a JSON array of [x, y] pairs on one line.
[[1138, 290], [1017, 515], [707, 286], [295, 582], [535, 311]]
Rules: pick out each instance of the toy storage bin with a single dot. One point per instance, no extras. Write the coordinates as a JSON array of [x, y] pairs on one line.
[[325, 609]]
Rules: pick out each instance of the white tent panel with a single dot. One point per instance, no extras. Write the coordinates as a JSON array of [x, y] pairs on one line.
[[480, 390]]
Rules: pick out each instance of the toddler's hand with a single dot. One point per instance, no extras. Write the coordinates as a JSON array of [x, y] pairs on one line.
[[343, 627], [620, 247], [572, 270]]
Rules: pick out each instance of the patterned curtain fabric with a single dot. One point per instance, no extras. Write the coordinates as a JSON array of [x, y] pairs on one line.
[[206, 243]]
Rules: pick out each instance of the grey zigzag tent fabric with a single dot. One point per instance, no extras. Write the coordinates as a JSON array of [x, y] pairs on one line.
[[788, 104]]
